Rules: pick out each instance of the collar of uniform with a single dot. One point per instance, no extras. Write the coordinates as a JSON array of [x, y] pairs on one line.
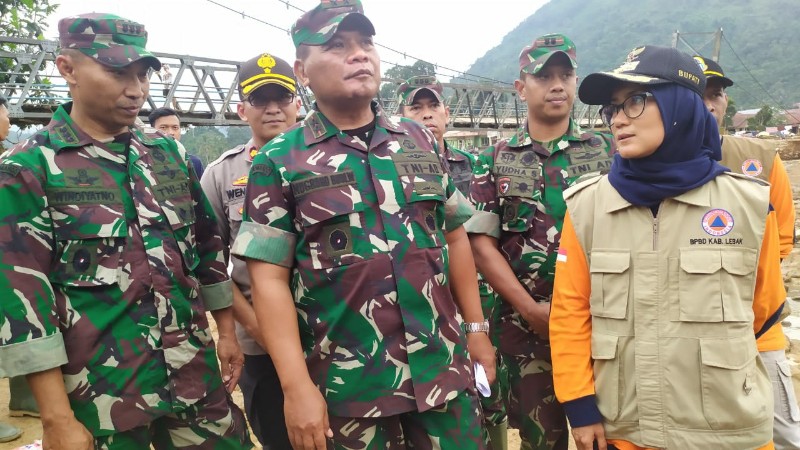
[[251, 149], [522, 138], [317, 127], [699, 197], [62, 131], [452, 154]]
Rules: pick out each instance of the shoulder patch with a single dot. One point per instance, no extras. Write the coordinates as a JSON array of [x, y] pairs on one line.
[[10, 169], [225, 155], [582, 184]]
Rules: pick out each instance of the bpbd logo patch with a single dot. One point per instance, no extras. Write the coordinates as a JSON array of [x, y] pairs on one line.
[[718, 222], [752, 168]]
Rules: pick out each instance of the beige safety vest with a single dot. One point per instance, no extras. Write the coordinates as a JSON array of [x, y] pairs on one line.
[[748, 156], [675, 358]]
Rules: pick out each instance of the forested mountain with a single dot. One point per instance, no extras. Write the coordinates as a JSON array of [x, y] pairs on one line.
[[763, 33]]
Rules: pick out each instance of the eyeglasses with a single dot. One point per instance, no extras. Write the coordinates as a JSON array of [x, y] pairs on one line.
[[283, 99], [633, 107]]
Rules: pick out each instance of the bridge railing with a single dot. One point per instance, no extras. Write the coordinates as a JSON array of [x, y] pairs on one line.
[[204, 90]]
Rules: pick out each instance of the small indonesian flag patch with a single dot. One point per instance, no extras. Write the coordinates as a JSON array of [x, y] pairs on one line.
[[562, 255]]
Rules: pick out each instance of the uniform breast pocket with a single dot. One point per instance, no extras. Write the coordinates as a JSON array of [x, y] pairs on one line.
[[716, 285], [332, 228], [610, 283], [425, 209], [90, 241], [516, 214], [182, 220]]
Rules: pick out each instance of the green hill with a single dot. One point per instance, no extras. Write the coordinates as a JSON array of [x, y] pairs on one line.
[[764, 34]]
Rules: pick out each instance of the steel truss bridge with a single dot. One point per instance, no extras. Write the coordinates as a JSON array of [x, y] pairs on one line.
[[204, 91]]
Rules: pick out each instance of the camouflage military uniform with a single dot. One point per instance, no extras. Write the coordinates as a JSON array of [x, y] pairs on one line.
[[110, 259], [461, 165], [517, 189], [362, 226]]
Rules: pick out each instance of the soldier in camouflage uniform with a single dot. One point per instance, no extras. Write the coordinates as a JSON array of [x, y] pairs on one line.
[[109, 259], [353, 226], [517, 189], [269, 105], [421, 98]]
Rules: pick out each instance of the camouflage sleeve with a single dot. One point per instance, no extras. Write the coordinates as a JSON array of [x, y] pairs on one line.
[[267, 233], [457, 209], [483, 194], [30, 339], [213, 191], [212, 272]]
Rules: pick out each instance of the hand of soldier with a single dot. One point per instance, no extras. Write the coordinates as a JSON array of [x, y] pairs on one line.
[[306, 417], [231, 360], [481, 350], [66, 434], [586, 436], [538, 317]]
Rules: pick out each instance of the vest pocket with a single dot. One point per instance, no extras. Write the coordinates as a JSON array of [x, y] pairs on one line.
[[738, 284], [607, 375], [610, 283], [716, 285], [734, 384]]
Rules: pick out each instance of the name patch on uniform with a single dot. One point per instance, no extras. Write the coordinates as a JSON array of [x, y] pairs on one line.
[[171, 190], [582, 162], [717, 222], [82, 196], [752, 167], [235, 193], [417, 163], [314, 183]]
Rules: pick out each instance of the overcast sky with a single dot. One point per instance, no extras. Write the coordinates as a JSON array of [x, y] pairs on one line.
[[449, 33]]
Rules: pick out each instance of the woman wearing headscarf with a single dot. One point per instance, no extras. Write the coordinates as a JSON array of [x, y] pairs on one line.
[[666, 274]]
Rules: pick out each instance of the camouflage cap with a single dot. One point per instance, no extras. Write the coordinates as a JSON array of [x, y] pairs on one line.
[[408, 90], [318, 25], [111, 40], [262, 70], [648, 65], [533, 57], [712, 70]]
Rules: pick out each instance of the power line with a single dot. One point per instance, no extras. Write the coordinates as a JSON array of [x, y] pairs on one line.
[[242, 13], [406, 55], [747, 69]]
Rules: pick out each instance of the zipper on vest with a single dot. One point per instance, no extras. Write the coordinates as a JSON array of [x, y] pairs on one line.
[[655, 229]]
